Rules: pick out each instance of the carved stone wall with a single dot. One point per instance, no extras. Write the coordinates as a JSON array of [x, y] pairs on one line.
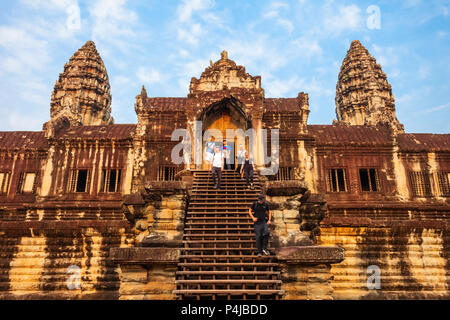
[[157, 214], [410, 248], [60, 260]]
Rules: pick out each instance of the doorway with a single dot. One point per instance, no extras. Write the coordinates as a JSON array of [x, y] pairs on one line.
[[221, 118]]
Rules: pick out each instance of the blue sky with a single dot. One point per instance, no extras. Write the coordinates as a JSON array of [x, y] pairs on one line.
[[294, 45]]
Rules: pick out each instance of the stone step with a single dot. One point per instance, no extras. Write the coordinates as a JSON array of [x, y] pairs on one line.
[[219, 235]]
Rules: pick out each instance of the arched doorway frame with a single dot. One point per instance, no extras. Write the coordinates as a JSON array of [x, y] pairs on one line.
[[229, 117]]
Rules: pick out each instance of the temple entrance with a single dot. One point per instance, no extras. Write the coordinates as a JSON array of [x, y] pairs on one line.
[[225, 120]]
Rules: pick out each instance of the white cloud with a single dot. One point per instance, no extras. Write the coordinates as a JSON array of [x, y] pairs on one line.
[[405, 98], [273, 12], [63, 26], [113, 23], [281, 88], [21, 52], [191, 33], [412, 3], [195, 19], [308, 47], [386, 57], [257, 52], [149, 75], [189, 7], [342, 19], [436, 109]]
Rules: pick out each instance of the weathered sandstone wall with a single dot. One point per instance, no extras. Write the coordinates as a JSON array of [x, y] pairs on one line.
[[412, 256]]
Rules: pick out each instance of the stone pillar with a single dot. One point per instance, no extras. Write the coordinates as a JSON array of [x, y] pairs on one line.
[[146, 273], [258, 150], [305, 271], [157, 213], [283, 198]]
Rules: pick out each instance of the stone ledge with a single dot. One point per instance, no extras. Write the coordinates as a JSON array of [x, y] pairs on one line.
[[380, 222], [310, 255], [133, 199], [170, 186], [55, 225], [160, 241], [139, 255], [285, 188]]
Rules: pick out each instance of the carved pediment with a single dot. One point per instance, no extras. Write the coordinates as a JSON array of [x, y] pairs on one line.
[[224, 74]]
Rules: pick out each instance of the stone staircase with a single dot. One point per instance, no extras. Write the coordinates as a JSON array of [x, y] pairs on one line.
[[218, 259]]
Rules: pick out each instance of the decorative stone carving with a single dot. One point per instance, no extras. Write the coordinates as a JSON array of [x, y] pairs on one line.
[[160, 221], [224, 74], [363, 94], [81, 95]]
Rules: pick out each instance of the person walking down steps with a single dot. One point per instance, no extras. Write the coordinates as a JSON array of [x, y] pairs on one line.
[[217, 167], [226, 150], [209, 151], [261, 216], [240, 158], [247, 169]]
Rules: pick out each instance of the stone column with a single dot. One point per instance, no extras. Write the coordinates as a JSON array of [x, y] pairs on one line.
[[146, 273], [258, 150], [305, 271]]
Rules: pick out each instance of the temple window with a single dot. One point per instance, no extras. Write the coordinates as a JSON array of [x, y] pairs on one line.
[[79, 180], [421, 184], [337, 180], [27, 182], [110, 181], [444, 184], [166, 173], [369, 180], [4, 182], [284, 173]]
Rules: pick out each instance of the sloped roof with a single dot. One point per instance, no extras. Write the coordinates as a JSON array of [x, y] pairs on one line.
[[378, 136], [112, 131], [350, 135], [165, 103], [22, 140], [281, 104], [424, 141]]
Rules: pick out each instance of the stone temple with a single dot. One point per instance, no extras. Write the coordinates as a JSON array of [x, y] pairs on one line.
[[90, 209]]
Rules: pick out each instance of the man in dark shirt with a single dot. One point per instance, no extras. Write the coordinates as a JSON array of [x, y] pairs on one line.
[[258, 212], [247, 169]]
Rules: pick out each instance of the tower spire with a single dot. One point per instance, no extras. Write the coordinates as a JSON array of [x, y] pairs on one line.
[[82, 93], [363, 94]]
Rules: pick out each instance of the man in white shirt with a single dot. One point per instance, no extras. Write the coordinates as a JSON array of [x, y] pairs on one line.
[[240, 157], [217, 166]]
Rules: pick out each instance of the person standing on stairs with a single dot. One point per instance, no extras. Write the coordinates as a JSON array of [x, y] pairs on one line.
[[247, 169], [259, 212], [226, 150], [240, 158], [209, 150], [217, 167]]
